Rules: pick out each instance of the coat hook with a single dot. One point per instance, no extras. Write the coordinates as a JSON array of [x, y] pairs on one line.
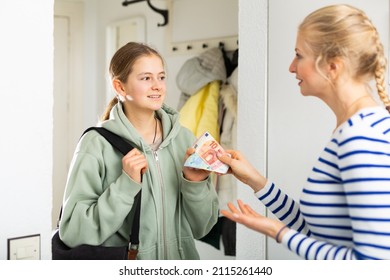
[[127, 2], [189, 47], [204, 45], [164, 13]]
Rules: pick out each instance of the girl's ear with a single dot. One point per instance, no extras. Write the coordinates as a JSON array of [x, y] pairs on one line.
[[118, 87]]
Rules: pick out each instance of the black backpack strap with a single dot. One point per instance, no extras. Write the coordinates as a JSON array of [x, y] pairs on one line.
[[115, 140], [124, 147], [134, 237]]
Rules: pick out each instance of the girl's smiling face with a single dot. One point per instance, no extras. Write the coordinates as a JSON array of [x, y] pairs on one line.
[[146, 83]]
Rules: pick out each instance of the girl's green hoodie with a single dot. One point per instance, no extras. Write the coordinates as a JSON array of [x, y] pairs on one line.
[[99, 196]]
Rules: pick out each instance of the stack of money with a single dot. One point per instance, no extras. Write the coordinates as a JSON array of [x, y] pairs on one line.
[[205, 156]]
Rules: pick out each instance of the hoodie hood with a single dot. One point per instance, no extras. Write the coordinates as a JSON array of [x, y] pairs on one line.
[[118, 121]]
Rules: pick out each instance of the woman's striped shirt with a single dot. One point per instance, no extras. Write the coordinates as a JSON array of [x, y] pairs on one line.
[[344, 209]]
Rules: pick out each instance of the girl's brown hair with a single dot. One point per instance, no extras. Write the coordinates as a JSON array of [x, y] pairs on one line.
[[121, 66], [346, 32]]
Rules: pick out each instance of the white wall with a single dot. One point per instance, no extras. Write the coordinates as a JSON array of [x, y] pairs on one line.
[[26, 69], [252, 111]]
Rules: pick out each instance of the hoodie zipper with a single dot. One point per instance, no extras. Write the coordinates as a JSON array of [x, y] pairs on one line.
[[162, 203]]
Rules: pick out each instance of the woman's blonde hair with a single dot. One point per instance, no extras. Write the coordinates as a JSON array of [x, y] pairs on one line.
[[343, 31], [122, 63]]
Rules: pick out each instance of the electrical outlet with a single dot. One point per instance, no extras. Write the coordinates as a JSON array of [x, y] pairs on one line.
[[24, 247]]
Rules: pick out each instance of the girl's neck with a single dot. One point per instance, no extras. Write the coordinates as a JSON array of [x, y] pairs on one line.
[[145, 122]]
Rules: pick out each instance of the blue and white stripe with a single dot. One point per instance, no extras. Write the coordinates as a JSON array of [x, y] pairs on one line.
[[344, 209]]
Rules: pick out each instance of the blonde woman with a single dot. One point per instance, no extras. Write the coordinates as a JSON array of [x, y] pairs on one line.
[[344, 209]]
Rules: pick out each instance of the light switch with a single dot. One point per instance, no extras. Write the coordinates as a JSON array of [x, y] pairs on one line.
[[24, 247]]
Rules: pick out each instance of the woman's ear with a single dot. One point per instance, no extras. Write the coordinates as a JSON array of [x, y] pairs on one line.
[[335, 68]]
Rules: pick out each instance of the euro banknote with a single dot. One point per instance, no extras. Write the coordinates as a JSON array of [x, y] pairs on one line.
[[205, 155]]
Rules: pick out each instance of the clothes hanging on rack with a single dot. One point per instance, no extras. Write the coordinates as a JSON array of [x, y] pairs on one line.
[[200, 112], [227, 185], [198, 71], [208, 101], [199, 79], [230, 63]]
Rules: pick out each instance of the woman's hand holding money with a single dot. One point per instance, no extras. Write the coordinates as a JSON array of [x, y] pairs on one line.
[[243, 170], [194, 174]]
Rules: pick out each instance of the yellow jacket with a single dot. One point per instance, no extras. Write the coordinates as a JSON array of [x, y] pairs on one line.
[[200, 112]]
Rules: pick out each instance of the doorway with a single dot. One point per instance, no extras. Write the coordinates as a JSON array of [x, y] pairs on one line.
[[68, 93]]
